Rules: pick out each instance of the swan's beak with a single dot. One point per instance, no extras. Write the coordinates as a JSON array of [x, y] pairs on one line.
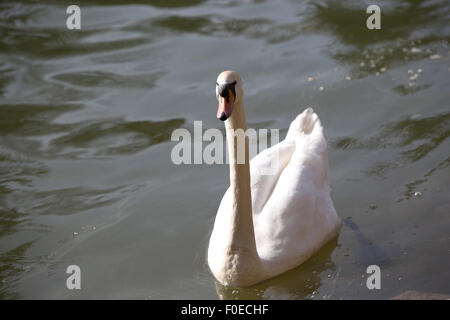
[[225, 106]]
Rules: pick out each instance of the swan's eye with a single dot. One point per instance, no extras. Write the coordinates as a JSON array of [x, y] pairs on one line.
[[224, 90], [217, 92]]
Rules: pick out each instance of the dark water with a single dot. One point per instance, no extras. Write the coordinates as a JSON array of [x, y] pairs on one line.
[[86, 119]]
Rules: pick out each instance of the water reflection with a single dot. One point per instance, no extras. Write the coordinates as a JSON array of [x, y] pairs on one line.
[[347, 20], [109, 136], [115, 136], [12, 266], [172, 4], [28, 120], [71, 200], [100, 79], [11, 221], [412, 139], [413, 186], [299, 283], [16, 169], [213, 25], [411, 31]]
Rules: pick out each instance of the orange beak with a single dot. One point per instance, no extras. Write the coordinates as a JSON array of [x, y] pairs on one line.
[[225, 106]]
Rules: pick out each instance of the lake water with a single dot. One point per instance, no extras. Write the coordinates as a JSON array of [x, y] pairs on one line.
[[86, 118]]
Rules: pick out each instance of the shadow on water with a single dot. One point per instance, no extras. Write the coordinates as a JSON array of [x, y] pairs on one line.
[[369, 252], [298, 283]]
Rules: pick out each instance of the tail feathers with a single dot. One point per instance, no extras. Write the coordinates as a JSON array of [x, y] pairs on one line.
[[306, 123], [307, 133]]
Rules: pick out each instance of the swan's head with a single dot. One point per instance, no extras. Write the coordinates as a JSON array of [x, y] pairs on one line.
[[229, 93]]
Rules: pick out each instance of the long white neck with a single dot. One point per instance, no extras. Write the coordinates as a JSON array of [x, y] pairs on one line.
[[243, 242]]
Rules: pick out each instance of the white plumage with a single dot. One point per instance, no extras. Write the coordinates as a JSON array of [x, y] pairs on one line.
[[292, 212]]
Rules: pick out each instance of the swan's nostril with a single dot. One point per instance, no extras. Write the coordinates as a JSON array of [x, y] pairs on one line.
[[223, 116]]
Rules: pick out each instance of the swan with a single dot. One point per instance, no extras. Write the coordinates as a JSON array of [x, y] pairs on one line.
[[267, 224]]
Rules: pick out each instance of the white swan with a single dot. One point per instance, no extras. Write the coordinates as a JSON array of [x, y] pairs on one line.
[[268, 224]]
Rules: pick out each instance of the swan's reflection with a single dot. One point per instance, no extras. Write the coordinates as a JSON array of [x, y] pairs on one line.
[[299, 283]]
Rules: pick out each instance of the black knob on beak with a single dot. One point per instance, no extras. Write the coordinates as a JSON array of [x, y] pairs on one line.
[[223, 116]]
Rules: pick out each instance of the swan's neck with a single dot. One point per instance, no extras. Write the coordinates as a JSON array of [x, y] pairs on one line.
[[242, 231]]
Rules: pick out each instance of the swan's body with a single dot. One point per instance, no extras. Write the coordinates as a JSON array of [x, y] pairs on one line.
[[268, 224]]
